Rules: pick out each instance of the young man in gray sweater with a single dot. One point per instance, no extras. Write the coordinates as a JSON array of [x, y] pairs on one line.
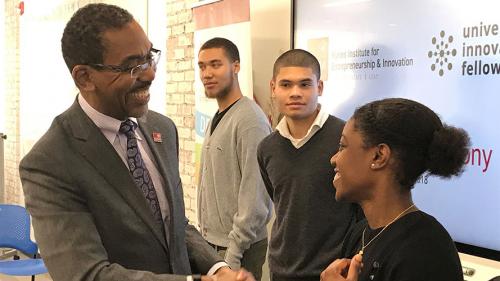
[[233, 205], [295, 164]]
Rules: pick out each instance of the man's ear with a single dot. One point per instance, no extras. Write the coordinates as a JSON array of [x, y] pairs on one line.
[[81, 76], [236, 65], [320, 87], [272, 86]]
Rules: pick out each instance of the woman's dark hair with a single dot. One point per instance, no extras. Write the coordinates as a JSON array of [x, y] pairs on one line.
[[81, 42], [416, 136]]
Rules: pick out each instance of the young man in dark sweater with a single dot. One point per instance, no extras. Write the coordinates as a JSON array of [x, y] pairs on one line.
[[294, 161]]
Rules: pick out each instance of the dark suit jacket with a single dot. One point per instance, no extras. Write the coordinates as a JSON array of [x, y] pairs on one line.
[[90, 219]]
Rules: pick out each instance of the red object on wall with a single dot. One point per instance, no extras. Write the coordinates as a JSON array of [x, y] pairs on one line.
[[21, 8]]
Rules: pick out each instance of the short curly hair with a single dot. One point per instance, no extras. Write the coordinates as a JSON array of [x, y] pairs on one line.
[[417, 137], [81, 42], [227, 45]]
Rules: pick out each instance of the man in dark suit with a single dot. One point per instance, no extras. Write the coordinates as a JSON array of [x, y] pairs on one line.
[[103, 184]]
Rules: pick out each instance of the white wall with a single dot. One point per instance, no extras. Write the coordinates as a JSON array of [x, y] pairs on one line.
[[2, 100], [2, 85], [46, 87], [271, 36], [157, 33]]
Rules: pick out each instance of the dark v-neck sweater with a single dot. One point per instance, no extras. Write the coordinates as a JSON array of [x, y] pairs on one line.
[[310, 225]]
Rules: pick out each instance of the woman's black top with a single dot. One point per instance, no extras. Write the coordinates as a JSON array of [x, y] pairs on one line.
[[416, 247]]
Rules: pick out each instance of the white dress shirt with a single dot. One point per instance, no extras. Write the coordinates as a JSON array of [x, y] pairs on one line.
[[284, 131]]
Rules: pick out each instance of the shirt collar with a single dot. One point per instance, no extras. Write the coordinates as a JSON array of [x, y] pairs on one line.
[[108, 125], [319, 121]]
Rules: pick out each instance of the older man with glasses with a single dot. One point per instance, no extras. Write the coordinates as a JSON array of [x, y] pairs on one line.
[[151, 60], [103, 184]]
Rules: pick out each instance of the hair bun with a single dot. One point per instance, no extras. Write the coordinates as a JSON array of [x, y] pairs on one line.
[[448, 151]]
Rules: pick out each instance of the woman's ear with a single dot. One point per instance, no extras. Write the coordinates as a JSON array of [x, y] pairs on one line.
[[381, 156], [82, 77]]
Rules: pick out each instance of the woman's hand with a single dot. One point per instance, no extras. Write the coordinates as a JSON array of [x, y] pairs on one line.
[[343, 269]]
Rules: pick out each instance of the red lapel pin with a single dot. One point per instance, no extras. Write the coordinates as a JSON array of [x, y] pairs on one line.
[[157, 137]]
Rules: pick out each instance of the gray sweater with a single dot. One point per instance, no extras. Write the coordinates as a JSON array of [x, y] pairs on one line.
[[310, 224], [233, 205]]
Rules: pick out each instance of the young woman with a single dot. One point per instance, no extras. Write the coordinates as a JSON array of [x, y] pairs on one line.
[[385, 147]]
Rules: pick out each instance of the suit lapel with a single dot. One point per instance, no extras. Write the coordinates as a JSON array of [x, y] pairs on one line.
[[92, 144], [160, 155]]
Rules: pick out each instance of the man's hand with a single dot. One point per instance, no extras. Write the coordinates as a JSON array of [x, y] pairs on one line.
[[226, 274], [343, 270]]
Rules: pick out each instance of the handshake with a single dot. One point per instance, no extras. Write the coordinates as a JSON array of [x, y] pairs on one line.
[[226, 274]]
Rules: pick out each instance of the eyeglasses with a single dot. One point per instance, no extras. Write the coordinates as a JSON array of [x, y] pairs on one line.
[[151, 61]]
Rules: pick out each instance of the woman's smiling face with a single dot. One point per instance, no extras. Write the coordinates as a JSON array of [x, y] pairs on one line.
[[352, 163]]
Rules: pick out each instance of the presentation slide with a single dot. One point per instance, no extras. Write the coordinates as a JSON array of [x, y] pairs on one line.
[[444, 54]]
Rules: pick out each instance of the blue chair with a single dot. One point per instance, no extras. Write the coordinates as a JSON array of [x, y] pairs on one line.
[[15, 234]]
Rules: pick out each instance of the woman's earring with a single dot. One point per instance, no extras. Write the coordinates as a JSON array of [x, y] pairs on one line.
[[372, 165]]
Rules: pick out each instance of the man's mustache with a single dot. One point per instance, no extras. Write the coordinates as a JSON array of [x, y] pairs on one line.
[[140, 86]]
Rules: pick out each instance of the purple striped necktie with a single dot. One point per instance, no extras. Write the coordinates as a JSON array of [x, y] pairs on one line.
[[139, 171]]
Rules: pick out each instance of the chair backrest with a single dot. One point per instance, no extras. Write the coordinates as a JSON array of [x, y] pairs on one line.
[[15, 229]]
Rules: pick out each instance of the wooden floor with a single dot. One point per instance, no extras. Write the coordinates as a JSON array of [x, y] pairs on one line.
[[42, 277]]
